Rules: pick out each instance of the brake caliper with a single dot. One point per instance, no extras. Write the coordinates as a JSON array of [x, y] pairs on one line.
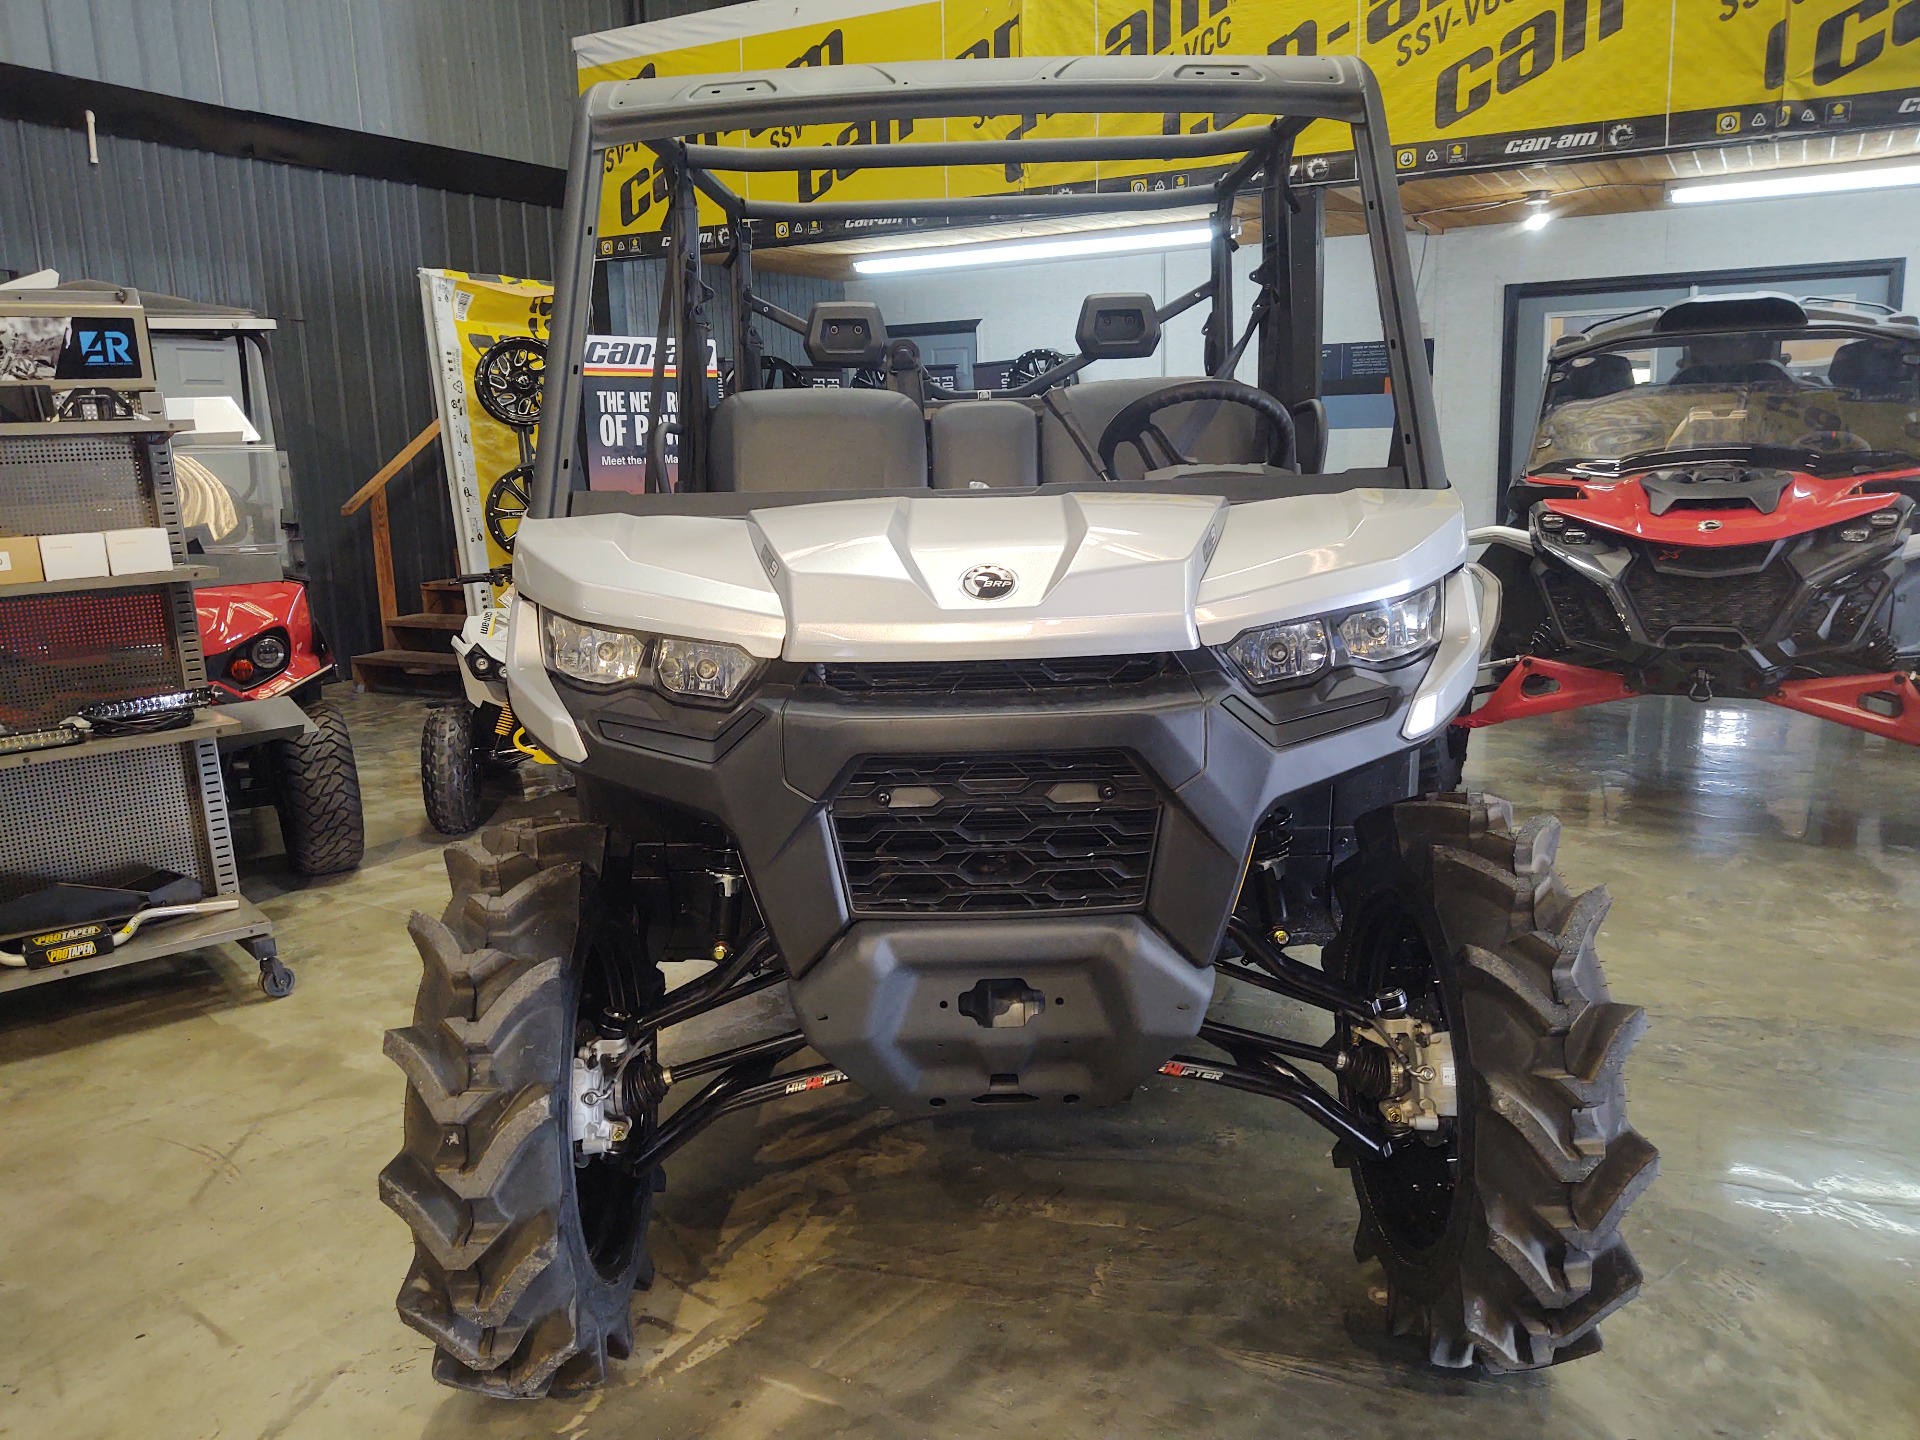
[[1415, 1084], [597, 1124]]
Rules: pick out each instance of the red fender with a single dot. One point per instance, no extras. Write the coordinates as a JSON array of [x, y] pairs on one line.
[[1573, 687], [233, 615], [1839, 698]]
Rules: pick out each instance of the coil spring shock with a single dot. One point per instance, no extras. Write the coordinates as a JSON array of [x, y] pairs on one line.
[[1541, 641], [503, 727], [1878, 650]]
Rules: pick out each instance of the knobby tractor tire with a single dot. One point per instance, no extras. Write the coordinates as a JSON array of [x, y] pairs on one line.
[[316, 789], [450, 771], [1517, 1265], [1444, 761], [518, 1298]]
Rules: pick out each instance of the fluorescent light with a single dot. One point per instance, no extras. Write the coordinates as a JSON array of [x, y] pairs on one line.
[[1538, 216], [1051, 247], [1823, 180], [1538, 220]]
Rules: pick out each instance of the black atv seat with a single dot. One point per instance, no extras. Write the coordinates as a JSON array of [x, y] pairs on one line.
[[768, 440], [1873, 370]]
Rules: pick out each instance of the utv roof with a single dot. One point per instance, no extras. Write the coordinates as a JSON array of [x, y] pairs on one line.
[[1723, 314]]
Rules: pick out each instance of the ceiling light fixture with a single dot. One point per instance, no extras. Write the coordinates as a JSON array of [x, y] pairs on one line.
[[1815, 180], [1048, 247], [1538, 216]]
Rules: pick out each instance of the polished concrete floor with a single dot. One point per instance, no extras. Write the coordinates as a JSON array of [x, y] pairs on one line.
[[190, 1243]]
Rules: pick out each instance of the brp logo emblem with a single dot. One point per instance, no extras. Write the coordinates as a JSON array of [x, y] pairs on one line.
[[1710, 525], [988, 582]]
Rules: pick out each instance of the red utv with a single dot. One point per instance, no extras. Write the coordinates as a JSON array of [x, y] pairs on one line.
[[1719, 502]]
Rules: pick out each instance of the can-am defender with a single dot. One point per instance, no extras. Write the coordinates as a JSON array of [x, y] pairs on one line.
[[1720, 501], [995, 754]]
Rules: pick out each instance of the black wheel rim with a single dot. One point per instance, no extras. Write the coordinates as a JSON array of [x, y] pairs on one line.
[[510, 378], [611, 1200], [1412, 1191], [506, 506]]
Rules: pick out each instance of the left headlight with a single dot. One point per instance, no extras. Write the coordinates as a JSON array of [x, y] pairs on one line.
[[691, 669], [1372, 635]]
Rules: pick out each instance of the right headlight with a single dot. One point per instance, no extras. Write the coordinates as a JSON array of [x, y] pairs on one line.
[[1372, 635], [699, 670]]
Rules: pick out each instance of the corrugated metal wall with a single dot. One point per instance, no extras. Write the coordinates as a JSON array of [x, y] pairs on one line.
[[332, 258], [493, 76]]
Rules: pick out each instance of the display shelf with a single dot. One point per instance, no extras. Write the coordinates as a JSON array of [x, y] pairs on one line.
[[178, 575], [208, 725], [163, 938]]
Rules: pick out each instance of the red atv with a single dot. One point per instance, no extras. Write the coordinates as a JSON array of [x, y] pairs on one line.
[[1719, 502], [266, 659]]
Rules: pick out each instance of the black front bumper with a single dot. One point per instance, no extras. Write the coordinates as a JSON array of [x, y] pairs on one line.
[[1134, 799]]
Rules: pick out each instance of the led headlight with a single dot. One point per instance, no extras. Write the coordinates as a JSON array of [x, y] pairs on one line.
[[591, 655], [1394, 630], [1377, 634], [269, 652], [702, 668], [1281, 652]]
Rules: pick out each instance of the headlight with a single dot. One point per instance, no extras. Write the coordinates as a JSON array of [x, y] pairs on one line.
[[1394, 630], [1374, 635], [591, 655], [1281, 652], [269, 652], [693, 669], [702, 668]]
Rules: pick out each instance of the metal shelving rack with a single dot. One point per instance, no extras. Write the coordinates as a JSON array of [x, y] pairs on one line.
[[82, 812]]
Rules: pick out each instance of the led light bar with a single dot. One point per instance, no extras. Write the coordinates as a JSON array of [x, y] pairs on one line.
[[15, 742], [111, 712], [1050, 247], [1818, 180]]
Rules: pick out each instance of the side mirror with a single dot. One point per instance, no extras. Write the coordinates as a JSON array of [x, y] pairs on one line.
[[1118, 327], [846, 334]]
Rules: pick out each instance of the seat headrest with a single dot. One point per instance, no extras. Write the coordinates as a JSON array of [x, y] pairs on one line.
[[1593, 377]]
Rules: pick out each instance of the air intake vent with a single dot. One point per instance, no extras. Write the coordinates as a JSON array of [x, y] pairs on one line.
[[997, 834], [944, 677]]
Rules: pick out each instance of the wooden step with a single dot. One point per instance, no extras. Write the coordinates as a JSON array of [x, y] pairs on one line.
[[443, 597], [408, 672], [442, 624]]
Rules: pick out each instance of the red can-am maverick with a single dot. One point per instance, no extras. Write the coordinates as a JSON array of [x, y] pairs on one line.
[[1719, 502]]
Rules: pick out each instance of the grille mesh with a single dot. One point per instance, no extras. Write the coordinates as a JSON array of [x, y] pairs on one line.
[[997, 834], [57, 484], [1750, 604], [90, 815], [1585, 614], [60, 652], [988, 676]]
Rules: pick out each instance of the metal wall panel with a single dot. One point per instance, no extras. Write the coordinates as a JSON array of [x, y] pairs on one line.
[[332, 258], [493, 76]]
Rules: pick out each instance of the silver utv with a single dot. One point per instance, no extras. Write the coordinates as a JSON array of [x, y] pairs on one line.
[[998, 729]]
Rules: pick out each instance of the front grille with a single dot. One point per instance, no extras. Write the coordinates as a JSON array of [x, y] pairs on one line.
[[1585, 614], [997, 834], [1025, 677], [1748, 603]]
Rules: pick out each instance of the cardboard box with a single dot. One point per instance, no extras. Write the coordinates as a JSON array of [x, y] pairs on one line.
[[20, 560], [138, 552], [74, 557]]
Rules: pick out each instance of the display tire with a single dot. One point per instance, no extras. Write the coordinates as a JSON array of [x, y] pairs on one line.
[[316, 789], [505, 1281], [451, 768], [1525, 1257]]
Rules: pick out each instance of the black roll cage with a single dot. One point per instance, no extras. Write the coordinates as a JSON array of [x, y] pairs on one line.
[[1284, 318]]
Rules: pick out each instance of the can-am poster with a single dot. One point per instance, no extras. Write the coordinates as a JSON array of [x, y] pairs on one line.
[[618, 370]]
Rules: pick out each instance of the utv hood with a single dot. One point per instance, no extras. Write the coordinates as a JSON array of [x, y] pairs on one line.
[[966, 577]]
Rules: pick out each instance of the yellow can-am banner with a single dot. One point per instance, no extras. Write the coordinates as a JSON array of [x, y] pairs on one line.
[[1467, 83]]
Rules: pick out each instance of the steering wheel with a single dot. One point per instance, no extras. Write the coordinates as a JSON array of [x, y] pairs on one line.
[[1134, 425]]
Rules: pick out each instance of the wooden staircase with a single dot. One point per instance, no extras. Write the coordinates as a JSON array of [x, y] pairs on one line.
[[418, 658]]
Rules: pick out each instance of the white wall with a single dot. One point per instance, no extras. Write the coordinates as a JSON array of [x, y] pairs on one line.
[[1462, 277]]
